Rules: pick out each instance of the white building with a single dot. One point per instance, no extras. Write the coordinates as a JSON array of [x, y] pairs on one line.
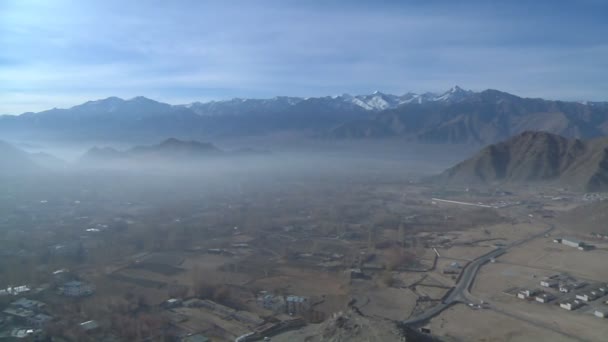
[[548, 283], [571, 305], [601, 313], [523, 294], [589, 295], [545, 298], [572, 242]]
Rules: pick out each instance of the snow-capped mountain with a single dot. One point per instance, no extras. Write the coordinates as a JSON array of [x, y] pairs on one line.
[[376, 101], [455, 94], [380, 101], [456, 115]]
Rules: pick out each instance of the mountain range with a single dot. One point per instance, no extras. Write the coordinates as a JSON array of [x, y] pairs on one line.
[[537, 157], [169, 150], [454, 116], [480, 117], [14, 161]]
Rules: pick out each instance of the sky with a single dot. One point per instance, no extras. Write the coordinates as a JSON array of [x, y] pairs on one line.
[[62, 53]]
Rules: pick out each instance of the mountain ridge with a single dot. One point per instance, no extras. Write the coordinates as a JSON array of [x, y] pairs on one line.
[[168, 149], [454, 116], [365, 101], [534, 156], [480, 118]]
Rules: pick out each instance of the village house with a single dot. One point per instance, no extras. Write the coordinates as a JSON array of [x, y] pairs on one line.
[[76, 289]]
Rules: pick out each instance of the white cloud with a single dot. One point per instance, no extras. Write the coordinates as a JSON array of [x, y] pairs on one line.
[[176, 50]]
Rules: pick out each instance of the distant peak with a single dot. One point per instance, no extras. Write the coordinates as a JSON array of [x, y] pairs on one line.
[[456, 88], [171, 141], [113, 98], [141, 98], [455, 93]]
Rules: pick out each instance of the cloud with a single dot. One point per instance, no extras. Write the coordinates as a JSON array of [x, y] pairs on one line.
[[194, 50]]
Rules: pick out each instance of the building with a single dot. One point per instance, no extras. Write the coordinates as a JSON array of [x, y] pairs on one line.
[[23, 334], [576, 244], [549, 282], [545, 298], [586, 297], [296, 304], [572, 242], [14, 290], [589, 295], [19, 314], [571, 305], [271, 302], [567, 287], [76, 289], [601, 312], [451, 270], [39, 320], [28, 304], [356, 273], [172, 303], [524, 294], [89, 326]]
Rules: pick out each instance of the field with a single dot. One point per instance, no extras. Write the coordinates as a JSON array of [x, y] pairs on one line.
[[377, 247], [460, 323]]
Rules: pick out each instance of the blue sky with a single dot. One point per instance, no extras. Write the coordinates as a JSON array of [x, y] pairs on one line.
[[62, 53]]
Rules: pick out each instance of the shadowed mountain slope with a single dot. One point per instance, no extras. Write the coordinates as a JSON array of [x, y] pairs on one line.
[[537, 156]]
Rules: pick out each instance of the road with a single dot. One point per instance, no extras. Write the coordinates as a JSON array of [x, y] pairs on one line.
[[460, 292], [463, 203]]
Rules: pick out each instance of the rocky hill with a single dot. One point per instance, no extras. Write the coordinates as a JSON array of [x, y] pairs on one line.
[[537, 157]]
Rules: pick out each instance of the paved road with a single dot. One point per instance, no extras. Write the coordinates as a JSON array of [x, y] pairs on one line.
[[460, 292]]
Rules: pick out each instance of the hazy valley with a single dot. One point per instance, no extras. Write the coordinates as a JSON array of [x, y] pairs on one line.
[[303, 171]]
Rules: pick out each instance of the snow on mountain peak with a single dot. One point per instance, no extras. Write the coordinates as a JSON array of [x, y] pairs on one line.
[[374, 102], [455, 94], [455, 89]]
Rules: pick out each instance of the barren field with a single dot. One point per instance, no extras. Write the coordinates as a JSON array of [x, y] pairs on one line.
[[313, 283], [544, 254], [459, 323], [493, 279], [465, 253], [389, 303]]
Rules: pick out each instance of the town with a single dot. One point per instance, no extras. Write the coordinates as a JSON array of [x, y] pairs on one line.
[[273, 262]]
